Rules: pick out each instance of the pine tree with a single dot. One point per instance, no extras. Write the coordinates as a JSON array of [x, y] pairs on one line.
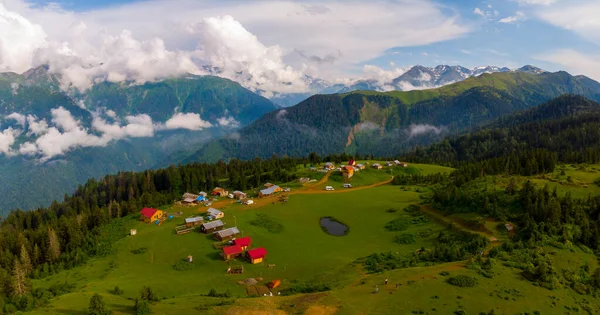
[[19, 280], [53, 245], [26, 260], [97, 306]]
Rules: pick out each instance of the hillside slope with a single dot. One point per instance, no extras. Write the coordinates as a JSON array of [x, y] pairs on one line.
[[367, 122]]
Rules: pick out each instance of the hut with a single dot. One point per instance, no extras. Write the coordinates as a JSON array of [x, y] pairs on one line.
[[227, 234], [230, 252], [329, 166], [269, 191], [360, 166], [256, 255], [239, 195], [347, 171], [243, 242], [220, 192], [132, 232], [211, 227], [377, 166], [150, 215], [215, 213], [195, 221], [389, 164]]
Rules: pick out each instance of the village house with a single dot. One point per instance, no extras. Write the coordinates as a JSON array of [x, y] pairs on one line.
[[377, 166], [211, 227], [150, 215], [215, 213], [195, 221], [329, 166], [388, 163], [351, 162], [269, 191], [268, 185], [347, 171], [227, 234], [239, 195], [256, 255], [230, 252], [190, 199], [243, 242], [360, 166], [220, 192], [203, 194], [303, 180]]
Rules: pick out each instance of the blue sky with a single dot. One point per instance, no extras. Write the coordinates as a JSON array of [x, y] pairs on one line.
[[279, 41]]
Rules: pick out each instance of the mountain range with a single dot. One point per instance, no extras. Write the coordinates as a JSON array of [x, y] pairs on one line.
[[387, 123], [415, 78]]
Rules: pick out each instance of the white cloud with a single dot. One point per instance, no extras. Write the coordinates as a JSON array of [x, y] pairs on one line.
[[465, 51], [19, 118], [519, 16], [137, 127], [36, 127], [575, 62], [14, 88], [7, 139], [28, 148], [148, 40], [111, 113], [580, 17], [415, 130], [228, 122], [537, 2], [382, 77], [190, 121], [480, 12]]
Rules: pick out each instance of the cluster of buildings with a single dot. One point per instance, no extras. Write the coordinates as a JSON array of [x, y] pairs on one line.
[[240, 247]]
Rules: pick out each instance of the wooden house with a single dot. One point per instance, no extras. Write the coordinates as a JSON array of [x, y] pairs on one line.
[[190, 196], [243, 242], [377, 166], [269, 191], [268, 185], [195, 221], [329, 166], [211, 227], [256, 255], [215, 213], [360, 166], [220, 192], [227, 234], [149, 215], [347, 171], [239, 195], [230, 252], [389, 163]]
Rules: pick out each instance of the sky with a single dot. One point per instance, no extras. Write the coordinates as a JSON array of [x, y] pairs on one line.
[[269, 46]]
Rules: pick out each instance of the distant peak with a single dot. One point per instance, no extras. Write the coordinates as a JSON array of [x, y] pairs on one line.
[[531, 69]]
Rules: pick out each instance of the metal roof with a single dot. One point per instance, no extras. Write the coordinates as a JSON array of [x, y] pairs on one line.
[[213, 224], [194, 219], [228, 232], [214, 212], [269, 190]]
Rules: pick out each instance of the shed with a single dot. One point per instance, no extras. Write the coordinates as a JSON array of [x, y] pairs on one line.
[[243, 242], [195, 221], [150, 215], [230, 252], [211, 227], [269, 191], [256, 255], [360, 166], [239, 195], [227, 234], [389, 164], [215, 213]]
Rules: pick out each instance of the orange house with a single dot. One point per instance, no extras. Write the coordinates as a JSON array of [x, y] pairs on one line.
[[150, 215], [348, 171]]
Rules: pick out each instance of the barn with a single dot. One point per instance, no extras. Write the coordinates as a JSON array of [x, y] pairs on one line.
[[243, 242], [150, 215], [256, 255], [227, 234], [211, 227], [230, 252]]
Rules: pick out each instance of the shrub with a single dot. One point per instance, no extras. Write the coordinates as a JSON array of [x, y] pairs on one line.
[[183, 265], [265, 221], [444, 273], [97, 306], [425, 233], [139, 251], [142, 307], [391, 210], [306, 288], [463, 281], [214, 293], [397, 225], [405, 238], [148, 295], [116, 291]]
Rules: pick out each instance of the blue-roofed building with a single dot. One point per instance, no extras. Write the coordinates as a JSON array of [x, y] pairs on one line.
[[269, 191], [200, 198]]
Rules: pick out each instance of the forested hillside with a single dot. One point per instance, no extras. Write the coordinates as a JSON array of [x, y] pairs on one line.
[[385, 124]]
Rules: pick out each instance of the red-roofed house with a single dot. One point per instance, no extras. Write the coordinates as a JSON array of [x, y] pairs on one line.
[[150, 215], [243, 242], [256, 255], [351, 163], [230, 252]]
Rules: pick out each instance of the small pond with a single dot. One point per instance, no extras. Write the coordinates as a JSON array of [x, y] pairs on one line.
[[332, 226]]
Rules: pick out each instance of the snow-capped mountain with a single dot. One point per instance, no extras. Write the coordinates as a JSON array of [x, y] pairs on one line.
[[415, 78]]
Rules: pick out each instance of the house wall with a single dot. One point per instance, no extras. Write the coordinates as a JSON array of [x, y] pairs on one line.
[[257, 261]]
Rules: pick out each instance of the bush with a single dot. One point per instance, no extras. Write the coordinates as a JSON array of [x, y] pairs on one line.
[[183, 265], [405, 238], [214, 293], [397, 225], [306, 288], [116, 291], [142, 307], [391, 210], [444, 273], [139, 251], [463, 281], [97, 306], [148, 295], [265, 221]]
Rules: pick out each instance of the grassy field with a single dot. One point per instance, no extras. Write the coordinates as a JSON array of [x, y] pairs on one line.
[[303, 253]]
